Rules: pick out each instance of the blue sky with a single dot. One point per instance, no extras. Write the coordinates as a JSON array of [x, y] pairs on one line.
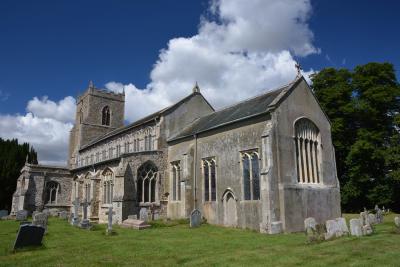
[[53, 48]]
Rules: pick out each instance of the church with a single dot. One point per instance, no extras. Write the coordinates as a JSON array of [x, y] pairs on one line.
[[265, 163]]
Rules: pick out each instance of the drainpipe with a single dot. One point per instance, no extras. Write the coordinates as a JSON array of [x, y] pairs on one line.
[[195, 171]]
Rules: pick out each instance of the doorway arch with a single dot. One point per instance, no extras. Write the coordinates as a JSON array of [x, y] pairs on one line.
[[230, 208]]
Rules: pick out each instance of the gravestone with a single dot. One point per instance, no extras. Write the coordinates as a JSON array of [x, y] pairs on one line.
[[63, 215], [21, 215], [40, 219], [135, 224], [75, 218], [3, 213], [379, 216], [110, 214], [356, 227], [367, 229], [85, 223], [29, 235], [143, 214], [310, 229], [343, 225], [195, 218], [332, 229], [372, 218], [397, 221], [309, 222], [34, 212]]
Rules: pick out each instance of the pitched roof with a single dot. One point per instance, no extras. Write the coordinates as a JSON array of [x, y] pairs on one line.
[[142, 121], [252, 107]]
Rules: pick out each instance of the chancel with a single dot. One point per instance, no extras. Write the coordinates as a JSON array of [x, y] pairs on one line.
[[265, 163]]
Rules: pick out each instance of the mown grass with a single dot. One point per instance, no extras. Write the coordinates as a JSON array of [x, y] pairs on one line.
[[208, 245]]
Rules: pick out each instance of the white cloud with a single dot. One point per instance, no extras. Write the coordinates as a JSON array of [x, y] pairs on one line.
[[63, 111], [244, 49]]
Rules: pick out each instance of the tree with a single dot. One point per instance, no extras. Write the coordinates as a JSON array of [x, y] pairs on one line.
[[364, 105], [12, 159]]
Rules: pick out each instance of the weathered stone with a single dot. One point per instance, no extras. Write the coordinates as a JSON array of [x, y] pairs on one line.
[[143, 214], [21, 215], [379, 216], [309, 222], [110, 213], [133, 216], [397, 221], [356, 227], [342, 225], [364, 217], [3, 213], [367, 229], [29, 235], [85, 223], [371, 218], [195, 218], [135, 224], [63, 215], [333, 230], [40, 219]]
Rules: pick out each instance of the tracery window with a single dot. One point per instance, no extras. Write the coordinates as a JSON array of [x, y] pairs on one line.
[[87, 188], [108, 185], [307, 151], [210, 183], [176, 181], [52, 192], [251, 175], [105, 116], [147, 183]]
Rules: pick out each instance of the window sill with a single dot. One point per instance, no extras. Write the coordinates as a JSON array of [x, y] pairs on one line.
[[250, 201]]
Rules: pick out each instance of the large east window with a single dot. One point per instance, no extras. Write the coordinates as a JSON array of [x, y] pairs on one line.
[[210, 183], [52, 192], [307, 151], [251, 175]]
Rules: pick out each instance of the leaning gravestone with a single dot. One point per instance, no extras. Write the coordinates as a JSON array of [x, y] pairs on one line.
[[21, 215], [143, 214], [3, 213], [356, 227], [29, 235], [343, 225], [372, 218], [332, 229], [195, 218], [40, 219]]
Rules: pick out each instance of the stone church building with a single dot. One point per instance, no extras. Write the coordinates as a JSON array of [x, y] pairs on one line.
[[265, 163]]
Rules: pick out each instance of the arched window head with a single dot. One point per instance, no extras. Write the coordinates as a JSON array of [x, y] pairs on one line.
[[147, 176], [105, 116], [52, 192], [307, 142]]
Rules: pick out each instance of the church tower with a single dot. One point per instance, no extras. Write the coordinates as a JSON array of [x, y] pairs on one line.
[[97, 113]]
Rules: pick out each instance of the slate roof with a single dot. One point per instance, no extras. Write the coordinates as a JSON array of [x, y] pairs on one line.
[[142, 121], [246, 109]]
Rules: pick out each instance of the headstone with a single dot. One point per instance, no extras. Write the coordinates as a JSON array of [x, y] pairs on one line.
[[21, 215], [143, 214], [85, 223], [3, 213], [397, 221], [63, 215], [29, 235], [135, 224], [195, 218], [367, 229], [364, 217], [133, 217], [356, 227], [110, 219], [309, 222], [343, 225], [332, 230], [379, 216], [34, 212], [321, 231], [40, 219], [371, 218], [310, 229], [75, 218]]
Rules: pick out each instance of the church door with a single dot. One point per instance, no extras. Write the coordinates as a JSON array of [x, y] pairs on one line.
[[230, 210]]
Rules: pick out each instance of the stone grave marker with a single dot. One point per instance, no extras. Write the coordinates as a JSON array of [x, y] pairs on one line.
[[75, 218], [63, 215], [133, 217], [343, 225], [195, 218], [110, 214], [309, 222], [21, 215], [397, 221], [29, 235], [379, 216], [143, 215], [332, 229], [135, 224], [3, 213], [310, 229], [371, 218], [40, 219], [356, 227], [85, 223]]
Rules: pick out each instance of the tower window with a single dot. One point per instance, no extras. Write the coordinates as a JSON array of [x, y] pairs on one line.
[[105, 118]]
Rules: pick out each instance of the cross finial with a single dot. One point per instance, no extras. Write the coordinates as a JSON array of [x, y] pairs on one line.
[[298, 68], [196, 88], [91, 85]]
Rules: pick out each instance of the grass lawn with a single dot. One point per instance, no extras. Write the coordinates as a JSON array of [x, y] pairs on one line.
[[208, 245]]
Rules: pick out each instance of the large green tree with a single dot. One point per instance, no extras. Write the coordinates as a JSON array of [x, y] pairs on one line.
[[363, 105], [12, 159]]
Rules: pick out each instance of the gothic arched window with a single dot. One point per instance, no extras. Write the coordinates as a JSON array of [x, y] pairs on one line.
[[251, 175], [105, 116], [52, 191], [108, 186], [147, 182], [176, 181], [307, 151], [210, 180]]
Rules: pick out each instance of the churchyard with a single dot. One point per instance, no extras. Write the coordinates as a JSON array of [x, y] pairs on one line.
[[175, 243]]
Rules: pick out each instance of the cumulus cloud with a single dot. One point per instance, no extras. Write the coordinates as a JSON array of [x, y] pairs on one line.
[[243, 48]]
